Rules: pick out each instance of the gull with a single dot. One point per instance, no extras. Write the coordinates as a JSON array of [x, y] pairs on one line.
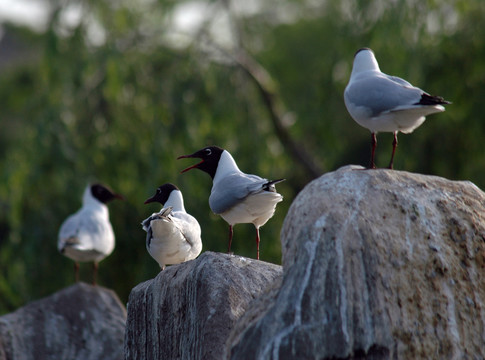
[[384, 103], [235, 196], [173, 236], [88, 235]]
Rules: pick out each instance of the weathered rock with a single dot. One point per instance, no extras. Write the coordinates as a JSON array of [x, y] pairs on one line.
[[79, 322], [378, 264], [188, 310]]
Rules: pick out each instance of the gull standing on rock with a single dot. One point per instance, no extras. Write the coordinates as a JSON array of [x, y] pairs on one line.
[[88, 235], [173, 236], [380, 102], [235, 196]]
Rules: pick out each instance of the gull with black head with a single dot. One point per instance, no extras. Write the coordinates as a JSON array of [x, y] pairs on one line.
[[88, 235], [235, 196], [173, 235]]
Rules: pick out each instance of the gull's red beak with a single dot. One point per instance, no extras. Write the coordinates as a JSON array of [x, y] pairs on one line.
[[190, 167], [149, 200]]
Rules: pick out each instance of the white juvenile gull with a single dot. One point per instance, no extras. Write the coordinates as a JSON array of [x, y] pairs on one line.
[[384, 103], [88, 235], [237, 197], [173, 235]]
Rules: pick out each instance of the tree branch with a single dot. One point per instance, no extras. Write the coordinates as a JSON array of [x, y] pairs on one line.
[[269, 95], [268, 91]]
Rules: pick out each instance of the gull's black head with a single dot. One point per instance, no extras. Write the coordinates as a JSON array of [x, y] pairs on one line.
[[104, 194], [210, 159], [162, 194]]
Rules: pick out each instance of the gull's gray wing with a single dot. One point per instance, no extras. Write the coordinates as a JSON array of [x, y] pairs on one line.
[[164, 213], [379, 94], [234, 188], [398, 80], [69, 232], [82, 230], [188, 225]]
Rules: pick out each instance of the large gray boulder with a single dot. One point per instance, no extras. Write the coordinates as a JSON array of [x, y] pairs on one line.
[[188, 310], [378, 264], [80, 322]]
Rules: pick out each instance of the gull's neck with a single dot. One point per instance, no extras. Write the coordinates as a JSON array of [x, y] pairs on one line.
[[175, 200], [364, 61], [226, 166], [89, 201]]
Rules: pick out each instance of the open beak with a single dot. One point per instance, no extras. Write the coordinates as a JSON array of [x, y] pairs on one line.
[[190, 167]]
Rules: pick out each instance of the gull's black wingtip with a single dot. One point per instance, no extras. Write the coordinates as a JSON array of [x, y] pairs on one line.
[[270, 185], [427, 99]]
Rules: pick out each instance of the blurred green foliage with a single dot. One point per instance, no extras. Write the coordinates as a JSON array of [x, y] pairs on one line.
[[120, 106]]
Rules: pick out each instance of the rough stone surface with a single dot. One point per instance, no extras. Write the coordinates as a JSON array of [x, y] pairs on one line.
[[79, 322], [378, 264], [188, 310]]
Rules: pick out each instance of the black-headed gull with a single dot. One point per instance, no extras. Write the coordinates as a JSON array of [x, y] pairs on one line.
[[235, 196], [383, 103], [173, 236], [88, 235]]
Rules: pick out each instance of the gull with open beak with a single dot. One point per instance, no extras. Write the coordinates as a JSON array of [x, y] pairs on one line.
[[235, 196]]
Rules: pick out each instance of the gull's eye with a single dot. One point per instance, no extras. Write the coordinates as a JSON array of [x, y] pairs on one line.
[[208, 151]]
